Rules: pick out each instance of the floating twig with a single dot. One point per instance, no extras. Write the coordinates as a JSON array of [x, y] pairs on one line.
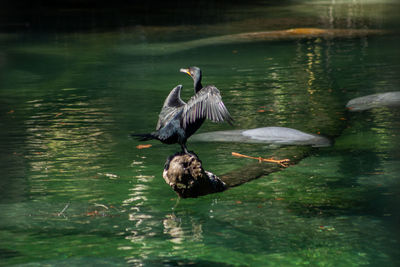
[[143, 146], [101, 205], [63, 210], [281, 162]]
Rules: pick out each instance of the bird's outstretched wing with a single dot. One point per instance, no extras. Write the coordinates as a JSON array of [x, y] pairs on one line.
[[206, 104], [173, 104]]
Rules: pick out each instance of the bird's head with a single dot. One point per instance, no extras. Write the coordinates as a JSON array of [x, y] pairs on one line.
[[193, 72]]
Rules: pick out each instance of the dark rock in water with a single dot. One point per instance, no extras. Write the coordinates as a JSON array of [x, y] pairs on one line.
[[389, 99], [185, 174], [266, 135]]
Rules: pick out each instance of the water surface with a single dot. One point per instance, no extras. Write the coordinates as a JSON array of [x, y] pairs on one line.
[[75, 190]]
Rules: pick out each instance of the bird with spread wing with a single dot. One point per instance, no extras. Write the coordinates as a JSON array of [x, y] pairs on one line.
[[178, 120]]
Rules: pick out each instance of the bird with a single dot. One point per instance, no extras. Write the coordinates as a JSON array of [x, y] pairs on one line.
[[178, 120]]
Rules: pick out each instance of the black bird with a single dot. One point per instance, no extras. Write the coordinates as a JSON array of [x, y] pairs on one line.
[[179, 120]]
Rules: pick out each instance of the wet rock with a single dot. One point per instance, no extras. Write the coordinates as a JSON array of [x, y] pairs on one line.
[[186, 176]]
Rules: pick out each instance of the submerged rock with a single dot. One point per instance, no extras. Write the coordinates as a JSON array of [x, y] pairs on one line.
[[265, 135], [389, 99], [289, 34]]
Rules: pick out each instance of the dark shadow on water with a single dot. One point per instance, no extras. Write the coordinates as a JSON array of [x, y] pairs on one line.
[[184, 262], [8, 253], [73, 15]]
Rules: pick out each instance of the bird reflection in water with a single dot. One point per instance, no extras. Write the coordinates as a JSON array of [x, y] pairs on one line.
[[178, 231]]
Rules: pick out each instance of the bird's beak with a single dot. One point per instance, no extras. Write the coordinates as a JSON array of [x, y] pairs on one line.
[[185, 71]]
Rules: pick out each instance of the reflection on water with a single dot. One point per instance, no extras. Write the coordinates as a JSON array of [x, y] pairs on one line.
[[65, 142], [74, 187]]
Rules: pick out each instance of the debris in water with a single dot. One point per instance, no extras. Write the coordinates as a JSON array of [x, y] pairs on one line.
[[63, 210], [143, 146], [101, 205], [282, 162]]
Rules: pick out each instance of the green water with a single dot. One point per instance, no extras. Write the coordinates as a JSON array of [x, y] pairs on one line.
[[75, 190]]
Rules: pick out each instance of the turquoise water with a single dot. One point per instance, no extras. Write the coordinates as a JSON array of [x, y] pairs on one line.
[[75, 190]]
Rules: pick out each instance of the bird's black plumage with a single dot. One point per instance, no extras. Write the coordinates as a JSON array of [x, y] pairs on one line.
[[179, 120]]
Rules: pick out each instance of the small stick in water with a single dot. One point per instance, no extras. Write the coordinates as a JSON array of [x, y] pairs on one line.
[[63, 210], [281, 162], [101, 205]]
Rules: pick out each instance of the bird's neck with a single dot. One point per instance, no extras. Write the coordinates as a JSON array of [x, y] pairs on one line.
[[197, 85]]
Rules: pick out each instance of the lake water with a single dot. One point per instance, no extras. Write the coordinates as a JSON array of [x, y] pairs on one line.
[[75, 190]]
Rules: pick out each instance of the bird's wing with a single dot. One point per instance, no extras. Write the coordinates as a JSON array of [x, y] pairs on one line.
[[173, 104], [207, 103]]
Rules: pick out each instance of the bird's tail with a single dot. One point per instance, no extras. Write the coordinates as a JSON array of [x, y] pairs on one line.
[[144, 137]]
